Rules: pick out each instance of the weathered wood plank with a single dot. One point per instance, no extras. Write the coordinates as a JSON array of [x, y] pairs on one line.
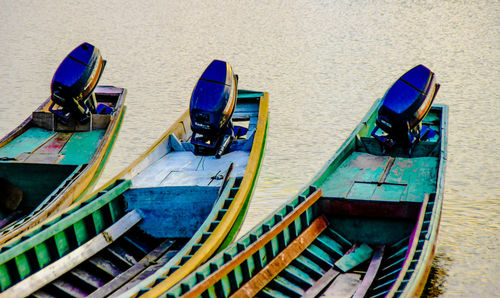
[[55, 144], [46, 120], [355, 256], [322, 283], [85, 277], [137, 268], [293, 250], [31, 139], [68, 289], [74, 258], [370, 273], [343, 286], [104, 265]]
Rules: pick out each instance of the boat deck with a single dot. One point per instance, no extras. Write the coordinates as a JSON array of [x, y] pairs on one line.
[[363, 176], [38, 145], [184, 168]]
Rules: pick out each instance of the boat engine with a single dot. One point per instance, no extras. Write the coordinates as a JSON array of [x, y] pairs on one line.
[[404, 106], [74, 82], [211, 108]]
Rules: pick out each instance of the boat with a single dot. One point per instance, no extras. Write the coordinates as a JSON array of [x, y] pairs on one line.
[[161, 217], [56, 155], [365, 226]]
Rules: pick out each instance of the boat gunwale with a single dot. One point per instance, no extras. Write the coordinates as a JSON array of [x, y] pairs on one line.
[[416, 284]]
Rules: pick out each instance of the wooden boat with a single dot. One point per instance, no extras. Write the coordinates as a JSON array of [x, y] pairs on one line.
[[158, 220], [366, 225], [48, 162]]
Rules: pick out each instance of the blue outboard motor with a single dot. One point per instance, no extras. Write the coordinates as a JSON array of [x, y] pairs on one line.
[[74, 82], [211, 108], [403, 108]]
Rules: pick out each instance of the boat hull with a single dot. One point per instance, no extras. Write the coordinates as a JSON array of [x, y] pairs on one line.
[[80, 154], [366, 225]]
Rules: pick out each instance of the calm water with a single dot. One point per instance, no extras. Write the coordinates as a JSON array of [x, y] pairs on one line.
[[323, 63]]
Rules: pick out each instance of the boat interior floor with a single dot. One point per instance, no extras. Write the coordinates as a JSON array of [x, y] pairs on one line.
[[37, 145], [126, 261], [363, 176], [329, 265], [184, 168]]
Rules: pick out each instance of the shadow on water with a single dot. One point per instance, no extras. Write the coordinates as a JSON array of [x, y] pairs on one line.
[[435, 285]]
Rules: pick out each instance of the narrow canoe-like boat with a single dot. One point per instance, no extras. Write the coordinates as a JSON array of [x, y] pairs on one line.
[[366, 226], [57, 153], [163, 216]]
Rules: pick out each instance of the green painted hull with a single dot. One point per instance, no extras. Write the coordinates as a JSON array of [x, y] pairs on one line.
[[365, 226], [107, 232]]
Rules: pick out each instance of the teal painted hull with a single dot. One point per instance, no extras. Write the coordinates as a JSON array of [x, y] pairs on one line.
[[365, 226]]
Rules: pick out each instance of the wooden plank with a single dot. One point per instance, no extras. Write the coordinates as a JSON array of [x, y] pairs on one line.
[[46, 158], [74, 258], [44, 120], [147, 272], [87, 278], [68, 289], [355, 256], [54, 145], [82, 147], [370, 273], [26, 142], [104, 265], [322, 283], [254, 247], [133, 271], [343, 286], [283, 259], [388, 166]]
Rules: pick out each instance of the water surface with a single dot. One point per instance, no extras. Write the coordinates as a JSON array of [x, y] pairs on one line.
[[323, 63]]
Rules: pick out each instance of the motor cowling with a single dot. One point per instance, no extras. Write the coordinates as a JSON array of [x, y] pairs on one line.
[[212, 105], [405, 105], [74, 82]]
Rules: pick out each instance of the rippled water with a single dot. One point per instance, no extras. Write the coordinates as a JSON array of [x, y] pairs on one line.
[[323, 63]]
